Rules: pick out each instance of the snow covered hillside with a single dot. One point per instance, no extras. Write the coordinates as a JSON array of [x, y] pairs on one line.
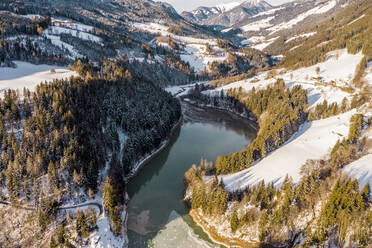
[[320, 9], [193, 50], [313, 140], [324, 81], [361, 170]]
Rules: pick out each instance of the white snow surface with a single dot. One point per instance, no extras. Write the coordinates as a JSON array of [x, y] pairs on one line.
[[258, 25], [320, 9], [361, 170], [104, 238], [263, 45], [227, 6], [300, 36], [29, 75], [56, 40], [356, 19], [314, 140], [54, 30], [72, 25], [268, 12]]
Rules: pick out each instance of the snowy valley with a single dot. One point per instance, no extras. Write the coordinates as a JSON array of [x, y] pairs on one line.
[[126, 124]]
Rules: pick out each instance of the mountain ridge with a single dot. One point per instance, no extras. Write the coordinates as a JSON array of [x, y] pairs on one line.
[[220, 15]]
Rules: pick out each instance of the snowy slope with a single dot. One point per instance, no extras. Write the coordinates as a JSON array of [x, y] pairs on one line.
[[227, 6], [55, 30], [256, 26], [29, 75], [320, 9], [361, 170], [300, 36], [339, 67], [104, 238], [313, 141], [194, 49]]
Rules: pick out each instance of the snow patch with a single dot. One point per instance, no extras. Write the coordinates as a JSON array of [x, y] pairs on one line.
[[263, 45], [357, 19], [104, 238], [300, 36], [27, 75], [361, 170], [258, 25]]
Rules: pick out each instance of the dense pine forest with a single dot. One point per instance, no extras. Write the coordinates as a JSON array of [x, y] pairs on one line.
[[79, 132]]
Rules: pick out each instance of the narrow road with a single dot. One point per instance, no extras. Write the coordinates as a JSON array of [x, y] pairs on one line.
[[84, 205], [96, 204], [18, 206]]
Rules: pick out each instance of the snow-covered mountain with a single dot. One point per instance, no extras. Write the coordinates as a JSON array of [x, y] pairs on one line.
[[226, 14]]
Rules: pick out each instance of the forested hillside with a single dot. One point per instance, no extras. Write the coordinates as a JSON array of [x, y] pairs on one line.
[[259, 196], [279, 112], [325, 208], [349, 29], [76, 132]]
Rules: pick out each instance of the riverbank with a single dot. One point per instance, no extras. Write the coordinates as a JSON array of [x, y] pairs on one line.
[[250, 120], [216, 237], [157, 190], [153, 154]]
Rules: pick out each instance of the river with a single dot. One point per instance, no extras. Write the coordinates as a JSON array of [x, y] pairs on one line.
[[158, 188]]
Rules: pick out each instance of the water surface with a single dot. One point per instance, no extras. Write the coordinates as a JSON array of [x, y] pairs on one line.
[[158, 188]]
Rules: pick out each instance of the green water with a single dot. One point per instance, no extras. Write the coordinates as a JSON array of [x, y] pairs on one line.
[[158, 188]]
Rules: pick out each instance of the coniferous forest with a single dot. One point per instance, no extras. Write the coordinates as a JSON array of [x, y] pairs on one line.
[[72, 129]]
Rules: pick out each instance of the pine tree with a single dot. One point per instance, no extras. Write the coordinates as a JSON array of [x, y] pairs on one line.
[[108, 195], [53, 243], [61, 233], [234, 221], [52, 176], [366, 191], [76, 178]]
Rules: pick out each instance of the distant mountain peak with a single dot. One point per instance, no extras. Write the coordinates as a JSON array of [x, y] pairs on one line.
[[226, 14], [228, 6]]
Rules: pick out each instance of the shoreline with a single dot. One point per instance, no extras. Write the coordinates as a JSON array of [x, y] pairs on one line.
[[138, 168], [142, 162], [216, 238], [253, 123]]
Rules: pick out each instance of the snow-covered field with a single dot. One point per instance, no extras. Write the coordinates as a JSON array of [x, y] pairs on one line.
[[72, 25], [258, 25], [314, 140], [29, 75], [361, 170], [263, 45]]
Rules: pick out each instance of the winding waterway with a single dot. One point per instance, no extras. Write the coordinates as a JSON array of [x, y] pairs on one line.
[[158, 189]]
